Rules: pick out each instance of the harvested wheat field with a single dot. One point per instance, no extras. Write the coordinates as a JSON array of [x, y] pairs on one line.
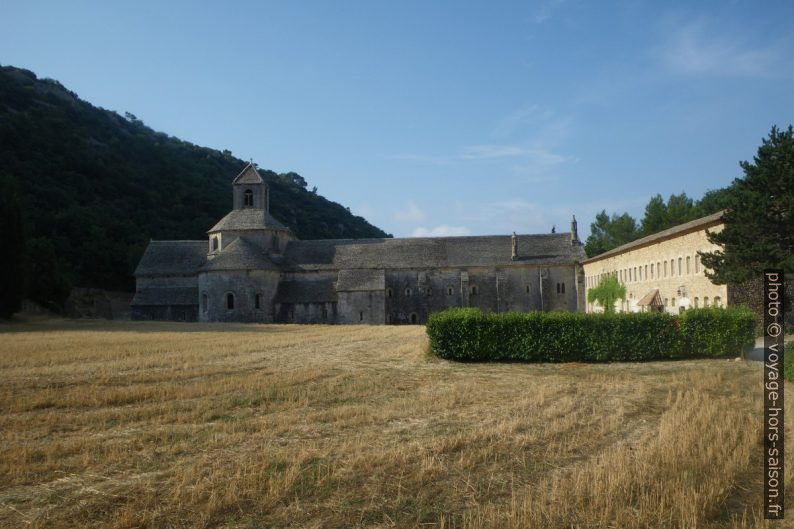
[[190, 425]]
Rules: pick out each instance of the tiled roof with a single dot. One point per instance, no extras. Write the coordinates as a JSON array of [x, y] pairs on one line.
[[240, 255], [434, 252], [249, 175], [166, 296], [693, 225], [172, 257], [652, 298], [306, 291], [247, 219], [355, 280]]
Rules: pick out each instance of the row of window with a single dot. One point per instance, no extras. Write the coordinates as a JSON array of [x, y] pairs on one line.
[[229, 301], [650, 271], [671, 302], [473, 290]]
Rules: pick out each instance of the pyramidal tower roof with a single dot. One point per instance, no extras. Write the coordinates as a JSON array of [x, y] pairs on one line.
[[249, 175]]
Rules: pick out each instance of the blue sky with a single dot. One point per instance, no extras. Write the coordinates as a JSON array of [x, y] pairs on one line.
[[437, 118]]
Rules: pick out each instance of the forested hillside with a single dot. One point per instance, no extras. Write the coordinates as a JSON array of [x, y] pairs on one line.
[[90, 188]]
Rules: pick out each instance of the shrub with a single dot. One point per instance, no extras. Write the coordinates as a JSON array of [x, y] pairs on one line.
[[718, 332], [788, 361], [470, 334]]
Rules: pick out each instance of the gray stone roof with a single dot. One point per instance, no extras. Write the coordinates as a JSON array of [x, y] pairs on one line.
[[434, 252], [249, 175], [247, 219], [166, 296], [357, 280], [240, 255], [306, 291], [172, 257], [694, 225]]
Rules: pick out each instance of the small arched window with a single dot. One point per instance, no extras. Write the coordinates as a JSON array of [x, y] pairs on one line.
[[258, 301], [389, 292], [248, 198], [705, 301], [527, 289], [429, 291], [697, 263], [697, 302], [214, 244], [230, 301], [680, 271], [408, 292], [473, 290], [361, 316], [562, 287], [413, 317], [204, 302], [687, 265], [449, 291], [717, 301]]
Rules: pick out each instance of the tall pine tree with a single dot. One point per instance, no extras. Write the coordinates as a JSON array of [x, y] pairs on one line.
[[759, 222]]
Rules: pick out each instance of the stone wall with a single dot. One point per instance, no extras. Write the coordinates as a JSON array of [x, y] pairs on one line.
[[656, 266], [244, 285]]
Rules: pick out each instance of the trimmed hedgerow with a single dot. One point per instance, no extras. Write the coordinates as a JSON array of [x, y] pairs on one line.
[[470, 334], [718, 332]]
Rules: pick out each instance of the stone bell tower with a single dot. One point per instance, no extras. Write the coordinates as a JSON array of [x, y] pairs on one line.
[[250, 190]]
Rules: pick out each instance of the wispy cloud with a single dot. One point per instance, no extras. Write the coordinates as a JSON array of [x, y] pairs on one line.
[[544, 11], [440, 231], [411, 213], [696, 49]]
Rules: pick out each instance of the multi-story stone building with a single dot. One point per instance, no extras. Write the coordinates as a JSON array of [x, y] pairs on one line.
[[253, 269], [661, 272]]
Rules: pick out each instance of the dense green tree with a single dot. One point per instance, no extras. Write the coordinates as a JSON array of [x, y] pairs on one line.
[[656, 218], [713, 201], [610, 232], [606, 293], [680, 209], [49, 280], [759, 222], [12, 251]]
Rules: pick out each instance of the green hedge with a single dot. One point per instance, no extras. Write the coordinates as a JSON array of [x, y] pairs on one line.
[[470, 334], [718, 332], [788, 361]]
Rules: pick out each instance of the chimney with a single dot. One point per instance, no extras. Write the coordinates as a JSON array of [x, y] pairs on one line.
[[574, 233], [514, 246]]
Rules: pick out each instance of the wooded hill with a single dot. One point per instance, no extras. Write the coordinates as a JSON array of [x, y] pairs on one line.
[[86, 189]]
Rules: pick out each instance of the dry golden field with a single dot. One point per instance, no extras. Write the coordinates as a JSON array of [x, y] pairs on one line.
[[251, 426]]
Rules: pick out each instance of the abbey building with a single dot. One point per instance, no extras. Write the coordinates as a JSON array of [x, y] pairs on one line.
[[253, 269]]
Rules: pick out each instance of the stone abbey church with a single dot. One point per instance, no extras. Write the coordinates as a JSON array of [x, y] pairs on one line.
[[253, 269]]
